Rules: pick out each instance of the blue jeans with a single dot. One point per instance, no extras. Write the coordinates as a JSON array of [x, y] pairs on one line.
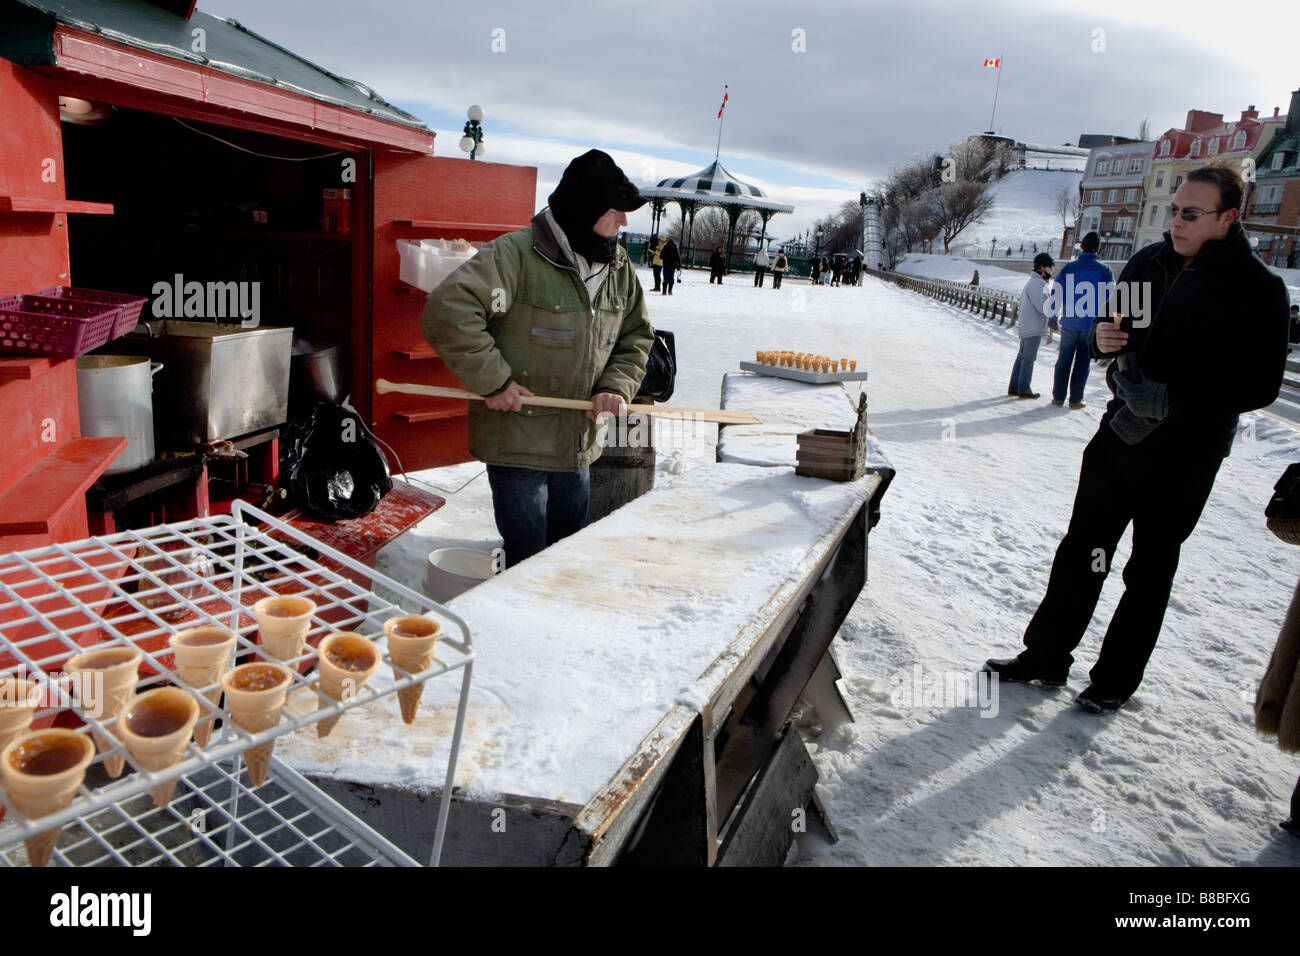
[[1074, 349], [1023, 370], [534, 509]]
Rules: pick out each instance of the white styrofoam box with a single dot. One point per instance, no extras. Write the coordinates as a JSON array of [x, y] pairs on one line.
[[425, 264]]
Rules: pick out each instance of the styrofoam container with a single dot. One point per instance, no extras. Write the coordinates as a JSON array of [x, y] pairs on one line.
[[427, 263], [454, 571]]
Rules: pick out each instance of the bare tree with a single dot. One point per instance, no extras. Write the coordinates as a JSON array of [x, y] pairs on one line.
[[1066, 203], [1144, 129], [958, 205]]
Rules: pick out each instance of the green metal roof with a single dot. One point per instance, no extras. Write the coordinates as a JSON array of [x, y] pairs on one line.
[[27, 37], [1284, 142]]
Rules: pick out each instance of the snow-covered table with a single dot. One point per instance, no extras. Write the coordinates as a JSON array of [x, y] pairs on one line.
[[630, 683]]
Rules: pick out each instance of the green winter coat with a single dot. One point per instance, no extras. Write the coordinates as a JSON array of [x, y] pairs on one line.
[[519, 310]]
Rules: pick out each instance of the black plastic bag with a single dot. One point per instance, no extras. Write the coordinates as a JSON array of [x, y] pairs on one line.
[[332, 469], [661, 368]]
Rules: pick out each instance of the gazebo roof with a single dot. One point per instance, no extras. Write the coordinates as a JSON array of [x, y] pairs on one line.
[[714, 186]]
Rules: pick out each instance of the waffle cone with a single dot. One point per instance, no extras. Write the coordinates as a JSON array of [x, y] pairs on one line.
[[337, 683], [409, 697], [285, 647], [35, 795], [203, 677], [162, 793], [115, 764], [255, 720], [41, 847]]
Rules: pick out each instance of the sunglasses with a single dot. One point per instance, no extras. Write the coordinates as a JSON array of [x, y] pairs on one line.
[[1191, 213]]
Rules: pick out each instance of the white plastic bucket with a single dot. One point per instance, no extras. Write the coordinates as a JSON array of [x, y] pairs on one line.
[[453, 571]]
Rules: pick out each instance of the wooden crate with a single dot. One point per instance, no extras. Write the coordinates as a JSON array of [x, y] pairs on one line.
[[834, 455]]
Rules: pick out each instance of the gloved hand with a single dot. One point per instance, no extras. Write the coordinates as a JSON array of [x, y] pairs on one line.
[[1054, 325], [1144, 397]]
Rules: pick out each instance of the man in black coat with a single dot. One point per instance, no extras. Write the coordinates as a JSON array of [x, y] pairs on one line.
[[717, 266], [1203, 340]]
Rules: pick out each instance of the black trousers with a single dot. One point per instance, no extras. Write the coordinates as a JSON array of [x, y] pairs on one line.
[[1162, 493], [656, 270], [758, 275]]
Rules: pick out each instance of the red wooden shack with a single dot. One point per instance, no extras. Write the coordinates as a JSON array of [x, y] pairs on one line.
[[142, 140]]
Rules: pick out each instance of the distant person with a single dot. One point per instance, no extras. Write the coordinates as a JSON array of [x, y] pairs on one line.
[[837, 270], [817, 270], [1033, 321], [975, 279], [717, 266], [778, 268], [672, 260], [761, 262], [1208, 344], [1290, 259], [1294, 336], [857, 269], [656, 258], [1085, 285]]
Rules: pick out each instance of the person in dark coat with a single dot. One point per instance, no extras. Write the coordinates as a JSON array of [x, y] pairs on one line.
[[975, 279], [717, 266], [672, 262], [837, 270], [817, 270], [1294, 335], [1200, 294]]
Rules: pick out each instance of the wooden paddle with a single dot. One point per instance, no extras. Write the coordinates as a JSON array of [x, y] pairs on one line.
[[722, 416]]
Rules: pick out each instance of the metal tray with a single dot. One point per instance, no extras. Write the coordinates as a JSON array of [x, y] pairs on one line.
[[800, 375]]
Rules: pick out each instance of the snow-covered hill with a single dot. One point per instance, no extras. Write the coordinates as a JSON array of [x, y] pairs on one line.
[[1024, 211]]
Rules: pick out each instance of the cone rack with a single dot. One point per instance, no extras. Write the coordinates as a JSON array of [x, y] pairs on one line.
[[136, 588]]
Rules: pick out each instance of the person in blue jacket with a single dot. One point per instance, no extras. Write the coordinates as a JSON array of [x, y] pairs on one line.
[[1086, 284]]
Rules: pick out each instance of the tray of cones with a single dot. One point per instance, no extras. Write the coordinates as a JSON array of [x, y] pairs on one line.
[[805, 367], [184, 670]]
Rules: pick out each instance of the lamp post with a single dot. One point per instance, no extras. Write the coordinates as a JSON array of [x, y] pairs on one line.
[[819, 240], [472, 141]]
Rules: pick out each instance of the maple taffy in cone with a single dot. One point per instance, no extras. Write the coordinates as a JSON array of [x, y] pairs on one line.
[[156, 728], [41, 771], [106, 679], [412, 640]]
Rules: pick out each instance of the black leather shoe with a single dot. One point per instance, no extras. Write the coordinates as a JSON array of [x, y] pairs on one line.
[[1012, 392], [1018, 670], [1058, 402], [1291, 826], [1027, 395], [1096, 701], [1075, 406]]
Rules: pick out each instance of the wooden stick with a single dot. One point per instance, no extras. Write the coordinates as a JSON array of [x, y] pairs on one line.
[[722, 416]]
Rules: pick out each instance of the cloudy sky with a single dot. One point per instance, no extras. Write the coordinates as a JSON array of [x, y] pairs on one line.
[[825, 97]]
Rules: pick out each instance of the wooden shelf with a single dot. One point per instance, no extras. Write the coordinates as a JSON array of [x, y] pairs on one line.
[[34, 504], [51, 206], [416, 352], [25, 369], [417, 415], [488, 229]]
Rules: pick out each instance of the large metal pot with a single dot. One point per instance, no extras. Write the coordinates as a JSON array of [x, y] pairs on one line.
[[115, 397], [315, 374]]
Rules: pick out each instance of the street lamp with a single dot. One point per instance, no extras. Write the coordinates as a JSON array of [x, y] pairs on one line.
[[819, 240], [472, 141]]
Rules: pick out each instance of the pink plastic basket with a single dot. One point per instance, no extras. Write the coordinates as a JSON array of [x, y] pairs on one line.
[[37, 325], [128, 306]]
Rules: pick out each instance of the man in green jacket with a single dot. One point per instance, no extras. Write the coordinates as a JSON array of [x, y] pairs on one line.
[[554, 309]]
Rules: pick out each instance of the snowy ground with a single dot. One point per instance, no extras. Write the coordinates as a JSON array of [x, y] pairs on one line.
[[957, 566]]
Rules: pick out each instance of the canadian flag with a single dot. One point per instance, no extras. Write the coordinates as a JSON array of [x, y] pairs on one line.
[[993, 62], [725, 97]]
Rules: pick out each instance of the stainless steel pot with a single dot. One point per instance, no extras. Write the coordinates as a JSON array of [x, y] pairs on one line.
[[316, 375], [115, 397]]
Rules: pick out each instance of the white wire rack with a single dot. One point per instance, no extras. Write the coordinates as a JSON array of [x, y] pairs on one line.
[[136, 589]]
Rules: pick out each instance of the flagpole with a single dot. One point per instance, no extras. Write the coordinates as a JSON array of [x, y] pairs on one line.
[[992, 128], [717, 152]]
